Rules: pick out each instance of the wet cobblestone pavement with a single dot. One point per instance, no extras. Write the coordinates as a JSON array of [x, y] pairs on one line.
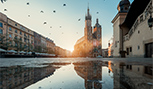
[[76, 73]]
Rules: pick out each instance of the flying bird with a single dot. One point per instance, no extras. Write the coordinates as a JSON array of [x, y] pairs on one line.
[[54, 11], [79, 19], [97, 12], [3, 1], [64, 4], [45, 22], [5, 9], [50, 26], [28, 3], [41, 11], [28, 15]]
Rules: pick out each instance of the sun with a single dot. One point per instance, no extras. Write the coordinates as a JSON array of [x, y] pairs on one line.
[[71, 50]]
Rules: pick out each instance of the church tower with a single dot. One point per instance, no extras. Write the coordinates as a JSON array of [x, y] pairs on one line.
[[88, 27], [123, 8]]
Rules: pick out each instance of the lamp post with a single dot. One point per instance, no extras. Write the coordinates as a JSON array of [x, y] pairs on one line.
[[150, 20]]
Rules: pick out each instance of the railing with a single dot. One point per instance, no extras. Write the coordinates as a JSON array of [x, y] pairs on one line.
[[140, 19]]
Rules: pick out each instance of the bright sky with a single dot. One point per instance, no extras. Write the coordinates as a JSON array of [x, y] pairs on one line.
[[66, 17]]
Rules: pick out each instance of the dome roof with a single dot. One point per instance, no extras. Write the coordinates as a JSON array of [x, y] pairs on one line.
[[124, 2]]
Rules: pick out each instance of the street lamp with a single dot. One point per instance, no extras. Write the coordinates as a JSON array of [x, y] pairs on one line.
[[150, 21]]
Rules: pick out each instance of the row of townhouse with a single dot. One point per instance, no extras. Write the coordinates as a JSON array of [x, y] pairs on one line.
[[14, 36], [62, 52]]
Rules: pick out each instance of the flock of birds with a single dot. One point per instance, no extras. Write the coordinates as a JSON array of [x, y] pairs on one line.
[[54, 11]]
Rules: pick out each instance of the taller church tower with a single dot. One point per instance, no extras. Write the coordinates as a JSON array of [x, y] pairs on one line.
[[88, 27]]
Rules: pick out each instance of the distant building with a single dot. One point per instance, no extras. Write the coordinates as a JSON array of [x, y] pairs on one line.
[[37, 42], [14, 36], [105, 52], [132, 35], [43, 44], [110, 48], [91, 43], [50, 46]]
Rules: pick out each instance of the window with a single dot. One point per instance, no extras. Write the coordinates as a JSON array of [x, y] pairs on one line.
[[25, 46], [10, 35], [138, 32], [1, 31], [20, 38], [1, 24], [25, 40], [20, 33], [16, 31], [127, 50], [16, 44], [138, 47], [16, 24], [130, 49], [10, 28], [10, 42], [15, 37], [126, 8], [24, 34], [20, 45]]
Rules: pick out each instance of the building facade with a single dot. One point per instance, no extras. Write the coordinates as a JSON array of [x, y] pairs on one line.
[[15, 36], [123, 8], [50, 46], [37, 41], [137, 35], [91, 43], [43, 44], [132, 35]]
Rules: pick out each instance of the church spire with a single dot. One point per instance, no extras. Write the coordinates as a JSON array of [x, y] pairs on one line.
[[88, 16], [97, 20]]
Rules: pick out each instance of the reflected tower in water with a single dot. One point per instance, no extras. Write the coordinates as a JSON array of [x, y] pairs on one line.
[[91, 72]]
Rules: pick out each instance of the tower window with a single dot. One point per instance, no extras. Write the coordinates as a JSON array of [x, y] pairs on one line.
[[126, 8]]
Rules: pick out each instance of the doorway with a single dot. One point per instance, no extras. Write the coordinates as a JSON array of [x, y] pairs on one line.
[[149, 50]]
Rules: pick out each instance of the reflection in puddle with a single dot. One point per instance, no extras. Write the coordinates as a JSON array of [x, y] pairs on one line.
[[87, 74]]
